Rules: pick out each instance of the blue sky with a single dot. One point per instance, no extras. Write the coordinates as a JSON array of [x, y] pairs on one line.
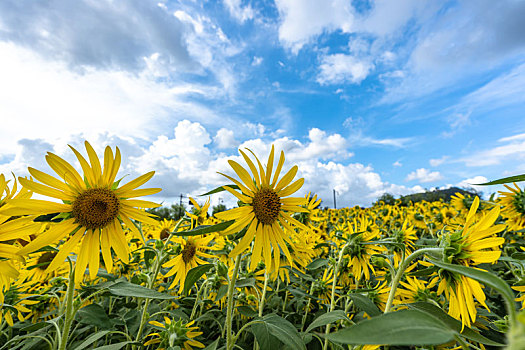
[[366, 97]]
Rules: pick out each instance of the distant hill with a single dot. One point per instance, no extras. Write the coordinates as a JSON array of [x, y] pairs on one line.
[[429, 196]]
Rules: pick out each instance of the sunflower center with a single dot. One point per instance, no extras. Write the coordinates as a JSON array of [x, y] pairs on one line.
[[45, 259], [95, 208], [188, 252], [266, 206], [164, 234]]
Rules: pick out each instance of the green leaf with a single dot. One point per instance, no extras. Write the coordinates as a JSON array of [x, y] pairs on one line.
[[203, 229], [317, 263], [193, 276], [452, 323], [247, 311], [264, 338], [405, 327], [117, 346], [245, 282], [365, 304], [484, 277], [505, 180], [219, 189], [95, 315], [213, 346], [126, 289], [284, 331], [327, 318], [91, 339]]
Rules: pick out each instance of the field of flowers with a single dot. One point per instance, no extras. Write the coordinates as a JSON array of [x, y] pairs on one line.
[[90, 268]]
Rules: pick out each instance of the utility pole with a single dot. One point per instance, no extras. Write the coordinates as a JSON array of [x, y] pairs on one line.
[[335, 206]]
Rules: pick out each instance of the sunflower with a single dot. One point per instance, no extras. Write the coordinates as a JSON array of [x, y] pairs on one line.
[[475, 243], [264, 210], [513, 207], [417, 290], [93, 207], [12, 229], [174, 335], [192, 250], [199, 214]]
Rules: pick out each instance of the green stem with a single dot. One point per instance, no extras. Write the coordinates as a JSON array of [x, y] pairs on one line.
[[334, 284], [69, 311], [194, 310], [152, 279], [261, 303], [402, 267], [307, 306], [229, 310]]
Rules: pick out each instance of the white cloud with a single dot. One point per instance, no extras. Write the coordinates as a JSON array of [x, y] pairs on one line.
[[186, 163], [302, 20], [257, 61], [423, 175], [340, 68], [438, 161], [102, 34], [471, 183], [239, 12], [225, 139], [513, 148], [51, 101], [397, 163]]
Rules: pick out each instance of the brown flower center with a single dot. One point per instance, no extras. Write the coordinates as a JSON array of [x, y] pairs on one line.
[[266, 206], [164, 234], [95, 208], [188, 252]]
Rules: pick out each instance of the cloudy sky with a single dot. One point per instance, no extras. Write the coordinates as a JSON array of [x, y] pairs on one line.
[[366, 97]]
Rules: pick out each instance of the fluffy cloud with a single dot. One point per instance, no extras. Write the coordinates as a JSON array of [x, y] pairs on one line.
[[302, 20], [186, 163], [340, 68], [471, 183], [438, 161], [424, 175], [104, 34], [239, 12], [225, 139]]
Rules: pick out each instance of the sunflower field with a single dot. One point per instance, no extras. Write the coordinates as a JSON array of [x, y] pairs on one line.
[[85, 266]]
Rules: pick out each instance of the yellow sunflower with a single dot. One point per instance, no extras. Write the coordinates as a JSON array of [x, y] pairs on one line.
[[174, 333], [475, 243], [93, 207], [192, 250], [198, 215], [264, 210], [513, 207]]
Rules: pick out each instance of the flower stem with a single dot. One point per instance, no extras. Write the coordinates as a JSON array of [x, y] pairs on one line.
[[156, 269], [229, 311], [402, 267], [334, 284], [69, 311]]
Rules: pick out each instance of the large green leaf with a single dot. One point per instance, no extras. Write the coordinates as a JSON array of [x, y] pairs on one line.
[[452, 323], [405, 327], [327, 318], [126, 289], [94, 315], [484, 277], [274, 326], [117, 346], [91, 339], [219, 189], [264, 338], [365, 304], [193, 276], [204, 229], [505, 180], [317, 263]]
